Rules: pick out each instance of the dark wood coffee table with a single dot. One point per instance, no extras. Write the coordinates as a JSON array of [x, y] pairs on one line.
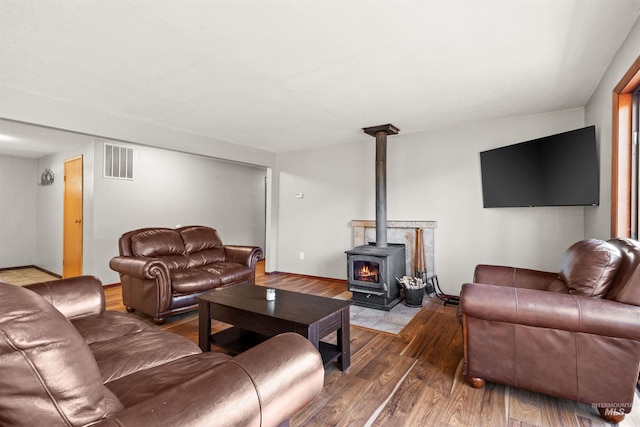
[[255, 319]]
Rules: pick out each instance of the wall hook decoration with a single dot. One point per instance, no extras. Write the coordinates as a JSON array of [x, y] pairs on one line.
[[46, 178]]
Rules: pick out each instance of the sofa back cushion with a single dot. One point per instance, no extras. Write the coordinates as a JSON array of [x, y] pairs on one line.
[[588, 267], [48, 375], [626, 286], [161, 243], [202, 245]]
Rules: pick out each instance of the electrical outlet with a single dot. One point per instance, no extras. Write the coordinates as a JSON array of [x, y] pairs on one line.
[[301, 255]]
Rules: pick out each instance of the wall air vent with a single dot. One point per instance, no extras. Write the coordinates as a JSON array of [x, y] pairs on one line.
[[118, 162]]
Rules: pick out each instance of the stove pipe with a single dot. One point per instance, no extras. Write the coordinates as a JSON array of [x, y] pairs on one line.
[[380, 133]]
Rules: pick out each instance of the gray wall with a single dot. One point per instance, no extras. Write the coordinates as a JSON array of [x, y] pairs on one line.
[[17, 211], [49, 208], [169, 189], [42, 111], [436, 176], [433, 176]]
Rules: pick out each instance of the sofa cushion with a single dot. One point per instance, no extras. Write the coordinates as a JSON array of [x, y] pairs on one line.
[[229, 272], [198, 237], [134, 352], [191, 280], [202, 245], [144, 385], [49, 376], [626, 286], [107, 326], [588, 267], [206, 256], [162, 243], [558, 286]]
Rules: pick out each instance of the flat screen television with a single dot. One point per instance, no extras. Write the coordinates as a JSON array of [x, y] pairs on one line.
[[557, 170]]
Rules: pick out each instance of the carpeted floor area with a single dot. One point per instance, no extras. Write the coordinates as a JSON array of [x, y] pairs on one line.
[[25, 276]]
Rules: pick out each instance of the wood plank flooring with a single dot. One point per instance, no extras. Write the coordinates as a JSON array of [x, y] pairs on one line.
[[410, 379]]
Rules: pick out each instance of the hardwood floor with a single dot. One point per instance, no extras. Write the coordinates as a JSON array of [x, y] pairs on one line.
[[410, 379]]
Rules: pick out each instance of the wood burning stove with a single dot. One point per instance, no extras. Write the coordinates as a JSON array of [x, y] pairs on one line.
[[373, 268], [372, 273]]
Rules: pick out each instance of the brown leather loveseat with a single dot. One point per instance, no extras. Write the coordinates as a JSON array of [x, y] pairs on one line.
[[163, 270], [65, 361], [573, 334]]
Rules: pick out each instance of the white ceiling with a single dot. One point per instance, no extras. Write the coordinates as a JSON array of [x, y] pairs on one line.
[[289, 75]]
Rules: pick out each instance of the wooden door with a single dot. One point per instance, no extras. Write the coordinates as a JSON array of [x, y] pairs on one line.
[[72, 222]]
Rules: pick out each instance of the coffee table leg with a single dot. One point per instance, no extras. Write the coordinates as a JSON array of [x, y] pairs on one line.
[[312, 335], [344, 341], [204, 326]]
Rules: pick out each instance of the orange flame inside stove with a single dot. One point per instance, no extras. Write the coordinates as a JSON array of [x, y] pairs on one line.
[[368, 275]]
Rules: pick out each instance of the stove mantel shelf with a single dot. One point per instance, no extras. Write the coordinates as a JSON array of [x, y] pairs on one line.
[[394, 224]]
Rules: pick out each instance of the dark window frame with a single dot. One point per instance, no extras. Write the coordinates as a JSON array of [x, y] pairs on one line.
[[622, 183]]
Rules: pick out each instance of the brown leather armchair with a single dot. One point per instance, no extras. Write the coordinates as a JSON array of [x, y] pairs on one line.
[[573, 334], [163, 270]]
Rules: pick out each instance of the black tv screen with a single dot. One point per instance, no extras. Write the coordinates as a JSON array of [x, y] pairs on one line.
[[557, 170]]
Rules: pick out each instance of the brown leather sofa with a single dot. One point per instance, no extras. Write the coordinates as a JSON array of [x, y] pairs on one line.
[[65, 361], [163, 270], [573, 334]]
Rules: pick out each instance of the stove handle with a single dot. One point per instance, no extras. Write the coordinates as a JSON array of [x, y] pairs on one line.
[[367, 292]]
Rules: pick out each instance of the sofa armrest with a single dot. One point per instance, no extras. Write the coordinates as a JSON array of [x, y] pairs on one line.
[[140, 267], [137, 272], [541, 309], [73, 297], [263, 386], [245, 255], [513, 276], [287, 372]]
